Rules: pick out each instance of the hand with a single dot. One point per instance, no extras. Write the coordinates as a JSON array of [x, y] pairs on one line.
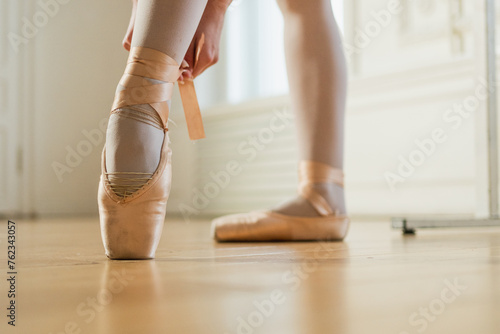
[[209, 34], [210, 26]]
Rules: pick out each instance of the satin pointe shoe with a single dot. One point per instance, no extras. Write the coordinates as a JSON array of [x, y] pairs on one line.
[[274, 226], [131, 226]]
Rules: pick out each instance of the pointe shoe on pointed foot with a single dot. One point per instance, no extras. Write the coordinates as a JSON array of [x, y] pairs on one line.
[[131, 225], [274, 226]]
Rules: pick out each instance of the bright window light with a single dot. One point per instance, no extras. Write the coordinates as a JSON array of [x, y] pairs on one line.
[[255, 56]]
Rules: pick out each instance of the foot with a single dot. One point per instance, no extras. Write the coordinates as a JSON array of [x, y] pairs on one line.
[[134, 141], [294, 220], [317, 214], [131, 209]]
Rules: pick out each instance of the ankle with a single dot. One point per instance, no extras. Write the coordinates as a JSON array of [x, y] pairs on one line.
[[333, 194]]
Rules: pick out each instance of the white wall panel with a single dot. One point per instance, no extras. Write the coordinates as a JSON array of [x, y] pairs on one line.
[[403, 84]]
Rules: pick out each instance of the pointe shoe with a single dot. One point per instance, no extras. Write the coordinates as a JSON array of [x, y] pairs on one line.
[[131, 226], [274, 226]]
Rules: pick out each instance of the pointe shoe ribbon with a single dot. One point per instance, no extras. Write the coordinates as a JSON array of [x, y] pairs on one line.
[[310, 173], [189, 100], [149, 63]]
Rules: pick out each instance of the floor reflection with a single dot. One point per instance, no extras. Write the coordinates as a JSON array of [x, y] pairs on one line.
[[131, 298]]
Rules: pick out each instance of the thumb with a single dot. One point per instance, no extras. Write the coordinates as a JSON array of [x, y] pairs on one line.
[[127, 40]]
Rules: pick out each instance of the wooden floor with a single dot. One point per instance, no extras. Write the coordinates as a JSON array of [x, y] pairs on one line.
[[377, 281]]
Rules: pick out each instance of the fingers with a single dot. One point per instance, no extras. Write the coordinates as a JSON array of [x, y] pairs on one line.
[[200, 56], [199, 47], [190, 57], [186, 72], [208, 57]]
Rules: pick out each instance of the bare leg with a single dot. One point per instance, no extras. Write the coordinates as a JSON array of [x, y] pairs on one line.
[[135, 134], [317, 79]]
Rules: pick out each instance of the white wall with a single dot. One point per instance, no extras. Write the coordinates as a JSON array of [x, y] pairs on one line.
[[407, 70], [401, 85], [411, 65], [78, 61]]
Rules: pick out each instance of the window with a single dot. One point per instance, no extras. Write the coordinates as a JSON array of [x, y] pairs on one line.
[[254, 56]]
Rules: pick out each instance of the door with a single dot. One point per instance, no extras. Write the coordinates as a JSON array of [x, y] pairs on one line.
[[11, 108]]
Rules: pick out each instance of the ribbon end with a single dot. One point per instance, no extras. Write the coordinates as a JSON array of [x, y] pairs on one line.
[[191, 110]]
